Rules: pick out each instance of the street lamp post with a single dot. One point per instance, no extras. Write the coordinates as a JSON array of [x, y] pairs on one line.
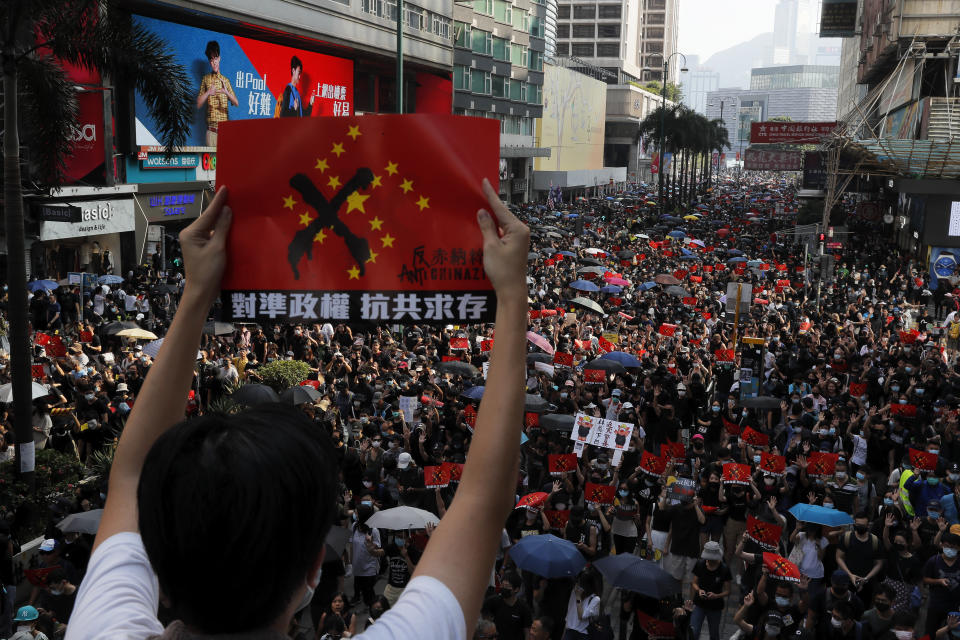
[[719, 151], [663, 111]]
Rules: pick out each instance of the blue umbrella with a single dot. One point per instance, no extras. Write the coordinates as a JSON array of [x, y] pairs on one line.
[[736, 260], [627, 360], [567, 254], [583, 285], [646, 286], [611, 288], [609, 197], [734, 252], [37, 285], [689, 257], [632, 573], [547, 556], [109, 279], [755, 263], [676, 233], [573, 215], [820, 515], [474, 393]]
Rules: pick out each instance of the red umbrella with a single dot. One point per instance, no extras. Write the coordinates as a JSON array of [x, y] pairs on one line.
[[532, 500], [311, 383], [723, 232]]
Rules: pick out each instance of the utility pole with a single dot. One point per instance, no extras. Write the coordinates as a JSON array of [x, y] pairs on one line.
[[399, 56]]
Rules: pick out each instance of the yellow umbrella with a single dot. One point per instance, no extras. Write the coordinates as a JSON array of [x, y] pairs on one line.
[[137, 334], [691, 218]]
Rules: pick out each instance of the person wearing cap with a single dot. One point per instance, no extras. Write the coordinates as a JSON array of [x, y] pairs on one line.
[[709, 589], [941, 574], [26, 622]]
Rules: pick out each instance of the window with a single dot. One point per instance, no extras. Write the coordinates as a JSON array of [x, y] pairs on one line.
[[655, 18], [583, 31], [536, 61], [654, 47], [535, 94], [518, 55], [653, 34], [482, 42], [608, 30], [502, 11], [501, 49], [654, 61], [440, 26], [583, 49], [483, 6], [563, 48], [461, 77], [584, 11], [563, 30], [521, 20], [609, 11], [499, 86], [480, 82], [563, 12], [536, 26], [608, 50], [461, 34], [515, 89], [414, 17]]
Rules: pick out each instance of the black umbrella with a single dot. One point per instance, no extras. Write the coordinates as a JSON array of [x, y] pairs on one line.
[[591, 261], [623, 255], [546, 358], [679, 292], [458, 368], [214, 328], [299, 395], [557, 422], [535, 404], [610, 366], [114, 328], [165, 288], [252, 394], [762, 402], [532, 256]]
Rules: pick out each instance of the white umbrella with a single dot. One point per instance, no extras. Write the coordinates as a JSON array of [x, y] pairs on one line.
[[402, 518], [137, 334], [83, 522], [37, 389], [593, 251]]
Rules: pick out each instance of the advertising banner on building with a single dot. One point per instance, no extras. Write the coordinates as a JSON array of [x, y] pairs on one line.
[[772, 160], [770, 132], [838, 19], [360, 219], [96, 218], [237, 78], [570, 126]]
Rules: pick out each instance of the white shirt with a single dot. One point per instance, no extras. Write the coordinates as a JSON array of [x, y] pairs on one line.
[[591, 608], [119, 595]]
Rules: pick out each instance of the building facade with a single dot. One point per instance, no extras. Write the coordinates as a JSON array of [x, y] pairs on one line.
[[498, 71]]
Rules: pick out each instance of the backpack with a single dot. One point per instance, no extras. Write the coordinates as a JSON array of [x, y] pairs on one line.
[[954, 330]]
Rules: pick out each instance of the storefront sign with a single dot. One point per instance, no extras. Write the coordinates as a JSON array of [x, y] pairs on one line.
[[57, 213], [177, 161], [165, 206], [763, 160], [791, 132], [96, 218]]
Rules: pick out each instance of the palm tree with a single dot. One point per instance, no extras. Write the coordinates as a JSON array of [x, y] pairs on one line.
[[36, 38]]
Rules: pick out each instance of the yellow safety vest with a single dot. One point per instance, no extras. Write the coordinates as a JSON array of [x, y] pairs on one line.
[[905, 475]]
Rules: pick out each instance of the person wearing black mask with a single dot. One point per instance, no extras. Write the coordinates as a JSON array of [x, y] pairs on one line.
[[510, 613], [839, 593], [879, 619]]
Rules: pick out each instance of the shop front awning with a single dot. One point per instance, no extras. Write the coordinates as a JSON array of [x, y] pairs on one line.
[[908, 158]]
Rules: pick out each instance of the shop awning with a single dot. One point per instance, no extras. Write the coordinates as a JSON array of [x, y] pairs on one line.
[[909, 158]]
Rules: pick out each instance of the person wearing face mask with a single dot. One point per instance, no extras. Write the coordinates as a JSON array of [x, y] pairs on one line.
[[839, 593], [941, 574], [59, 596], [903, 627], [879, 619], [709, 588], [843, 490], [625, 514], [844, 624], [764, 616], [581, 533], [859, 555], [809, 540], [402, 558], [903, 569], [509, 612]]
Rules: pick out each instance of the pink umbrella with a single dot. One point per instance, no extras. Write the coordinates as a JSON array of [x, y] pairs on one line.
[[620, 282], [539, 341]]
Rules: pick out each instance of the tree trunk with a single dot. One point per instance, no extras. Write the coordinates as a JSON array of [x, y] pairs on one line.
[[20, 359]]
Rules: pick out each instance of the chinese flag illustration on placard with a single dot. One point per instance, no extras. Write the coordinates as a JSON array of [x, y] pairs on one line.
[[358, 219], [436, 477], [561, 463], [599, 493]]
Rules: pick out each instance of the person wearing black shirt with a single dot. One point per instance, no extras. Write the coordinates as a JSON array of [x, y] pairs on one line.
[[818, 617], [510, 613], [710, 588], [859, 555], [402, 558], [684, 538], [59, 596]]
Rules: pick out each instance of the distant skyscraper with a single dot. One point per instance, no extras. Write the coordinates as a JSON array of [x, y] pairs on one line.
[[697, 84]]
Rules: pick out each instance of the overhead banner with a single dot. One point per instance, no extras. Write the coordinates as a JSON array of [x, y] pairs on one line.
[[770, 132], [236, 78], [763, 160], [838, 19], [360, 219]]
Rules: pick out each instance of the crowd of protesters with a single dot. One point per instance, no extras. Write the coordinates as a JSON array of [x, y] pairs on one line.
[[861, 367]]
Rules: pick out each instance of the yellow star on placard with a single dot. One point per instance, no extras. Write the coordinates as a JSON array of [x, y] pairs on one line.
[[423, 203], [387, 240], [407, 186], [391, 168], [288, 202], [354, 132], [305, 219], [320, 237], [355, 201], [353, 272], [373, 257], [322, 164], [375, 182], [337, 149], [333, 182], [376, 224]]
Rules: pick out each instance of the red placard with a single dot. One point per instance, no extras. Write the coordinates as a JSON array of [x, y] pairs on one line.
[[821, 463], [772, 464], [734, 473], [708, 268], [86, 336], [652, 465], [55, 347], [690, 301], [599, 493], [724, 355], [459, 344], [450, 359], [754, 438], [858, 388], [696, 279], [470, 416], [531, 419], [402, 203], [667, 329], [655, 629], [41, 339], [557, 519], [561, 463], [563, 359], [792, 132], [456, 471], [766, 534], [486, 345], [594, 376], [780, 568], [680, 274], [38, 577], [436, 477], [533, 314], [905, 410], [923, 460], [732, 428], [674, 451], [36, 371], [605, 345]]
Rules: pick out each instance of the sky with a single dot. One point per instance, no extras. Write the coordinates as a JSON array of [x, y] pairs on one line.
[[709, 26]]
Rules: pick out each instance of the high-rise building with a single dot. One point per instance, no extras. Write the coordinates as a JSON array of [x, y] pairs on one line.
[[498, 61], [626, 38], [697, 83]]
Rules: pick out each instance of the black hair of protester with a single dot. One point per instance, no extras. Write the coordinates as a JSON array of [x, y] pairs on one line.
[[227, 555]]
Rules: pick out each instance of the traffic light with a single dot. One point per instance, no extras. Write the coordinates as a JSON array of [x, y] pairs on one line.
[[822, 237]]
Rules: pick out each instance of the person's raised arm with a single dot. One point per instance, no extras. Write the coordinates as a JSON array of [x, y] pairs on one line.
[[162, 399], [485, 496]]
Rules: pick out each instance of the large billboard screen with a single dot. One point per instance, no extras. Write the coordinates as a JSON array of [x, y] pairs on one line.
[[838, 18], [235, 78], [571, 124]]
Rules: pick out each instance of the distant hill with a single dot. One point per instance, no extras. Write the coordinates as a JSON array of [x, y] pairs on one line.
[[734, 64]]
